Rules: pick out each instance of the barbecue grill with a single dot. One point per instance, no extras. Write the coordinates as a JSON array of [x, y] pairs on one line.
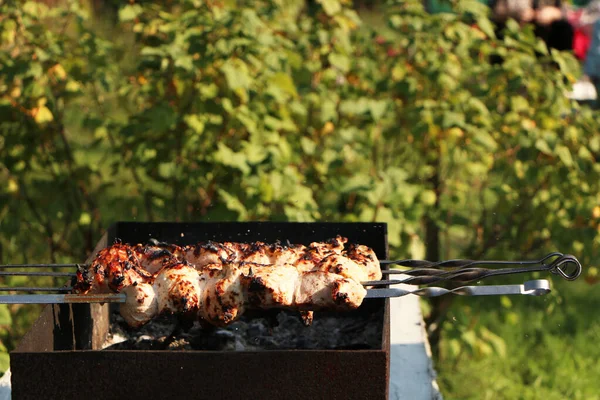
[[59, 356], [65, 353]]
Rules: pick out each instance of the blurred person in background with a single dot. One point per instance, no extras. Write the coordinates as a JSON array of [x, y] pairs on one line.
[[583, 15], [548, 16], [591, 66]]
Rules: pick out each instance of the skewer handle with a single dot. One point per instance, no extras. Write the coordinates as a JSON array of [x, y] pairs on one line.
[[424, 272]]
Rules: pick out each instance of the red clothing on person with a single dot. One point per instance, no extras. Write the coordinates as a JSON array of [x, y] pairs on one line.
[[581, 44]]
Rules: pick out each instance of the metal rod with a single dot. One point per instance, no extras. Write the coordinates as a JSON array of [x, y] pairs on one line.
[[382, 283], [464, 263], [530, 288], [41, 265], [62, 298], [35, 289], [52, 274], [565, 265]]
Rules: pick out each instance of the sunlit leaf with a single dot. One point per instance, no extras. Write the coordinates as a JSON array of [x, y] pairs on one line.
[[331, 7], [5, 316], [130, 12]]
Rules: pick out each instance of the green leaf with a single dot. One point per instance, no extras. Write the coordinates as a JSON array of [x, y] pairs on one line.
[[519, 104], [486, 27], [255, 153], [354, 107], [285, 83], [185, 62], [399, 72], [339, 61], [470, 338], [505, 301], [236, 74], [43, 115], [4, 362], [328, 110], [428, 197], [498, 344], [35, 9], [564, 154], [451, 119], [486, 140], [479, 106], [5, 317], [8, 32], [85, 219], [130, 12], [153, 51], [73, 86], [357, 182], [417, 248], [224, 155], [308, 145], [233, 203], [166, 170], [542, 146], [331, 7], [584, 154], [194, 122], [377, 108], [147, 155]]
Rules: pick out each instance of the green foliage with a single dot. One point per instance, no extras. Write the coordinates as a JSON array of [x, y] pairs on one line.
[[549, 352], [294, 110]]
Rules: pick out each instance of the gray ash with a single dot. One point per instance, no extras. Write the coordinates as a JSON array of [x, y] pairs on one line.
[[272, 330]]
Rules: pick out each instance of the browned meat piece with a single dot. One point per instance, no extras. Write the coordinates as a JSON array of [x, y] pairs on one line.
[[113, 268], [141, 305], [305, 257], [344, 266], [366, 257], [256, 252], [237, 250], [307, 317], [334, 245], [269, 287], [285, 254], [178, 290], [223, 296], [286, 287], [207, 253], [318, 290], [153, 257]]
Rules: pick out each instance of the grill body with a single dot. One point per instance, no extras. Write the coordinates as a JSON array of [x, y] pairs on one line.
[[59, 357]]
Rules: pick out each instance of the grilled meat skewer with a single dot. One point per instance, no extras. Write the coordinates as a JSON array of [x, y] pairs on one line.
[[118, 265], [216, 282], [221, 295]]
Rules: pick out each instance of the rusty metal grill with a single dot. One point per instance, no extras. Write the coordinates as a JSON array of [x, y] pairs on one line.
[[60, 357]]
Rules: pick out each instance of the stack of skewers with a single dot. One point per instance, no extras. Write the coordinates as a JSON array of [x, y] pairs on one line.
[[217, 282]]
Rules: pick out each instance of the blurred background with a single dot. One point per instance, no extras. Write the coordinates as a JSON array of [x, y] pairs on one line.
[[453, 122]]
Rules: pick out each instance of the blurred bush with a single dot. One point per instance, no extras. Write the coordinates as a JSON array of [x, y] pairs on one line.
[[291, 110]]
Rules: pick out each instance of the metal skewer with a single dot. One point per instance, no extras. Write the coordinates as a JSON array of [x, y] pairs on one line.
[[531, 288], [51, 274], [35, 289], [63, 298], [421, 272], [537, 287], [563, 265], [74, 265], [463, 263], [427, 268]]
